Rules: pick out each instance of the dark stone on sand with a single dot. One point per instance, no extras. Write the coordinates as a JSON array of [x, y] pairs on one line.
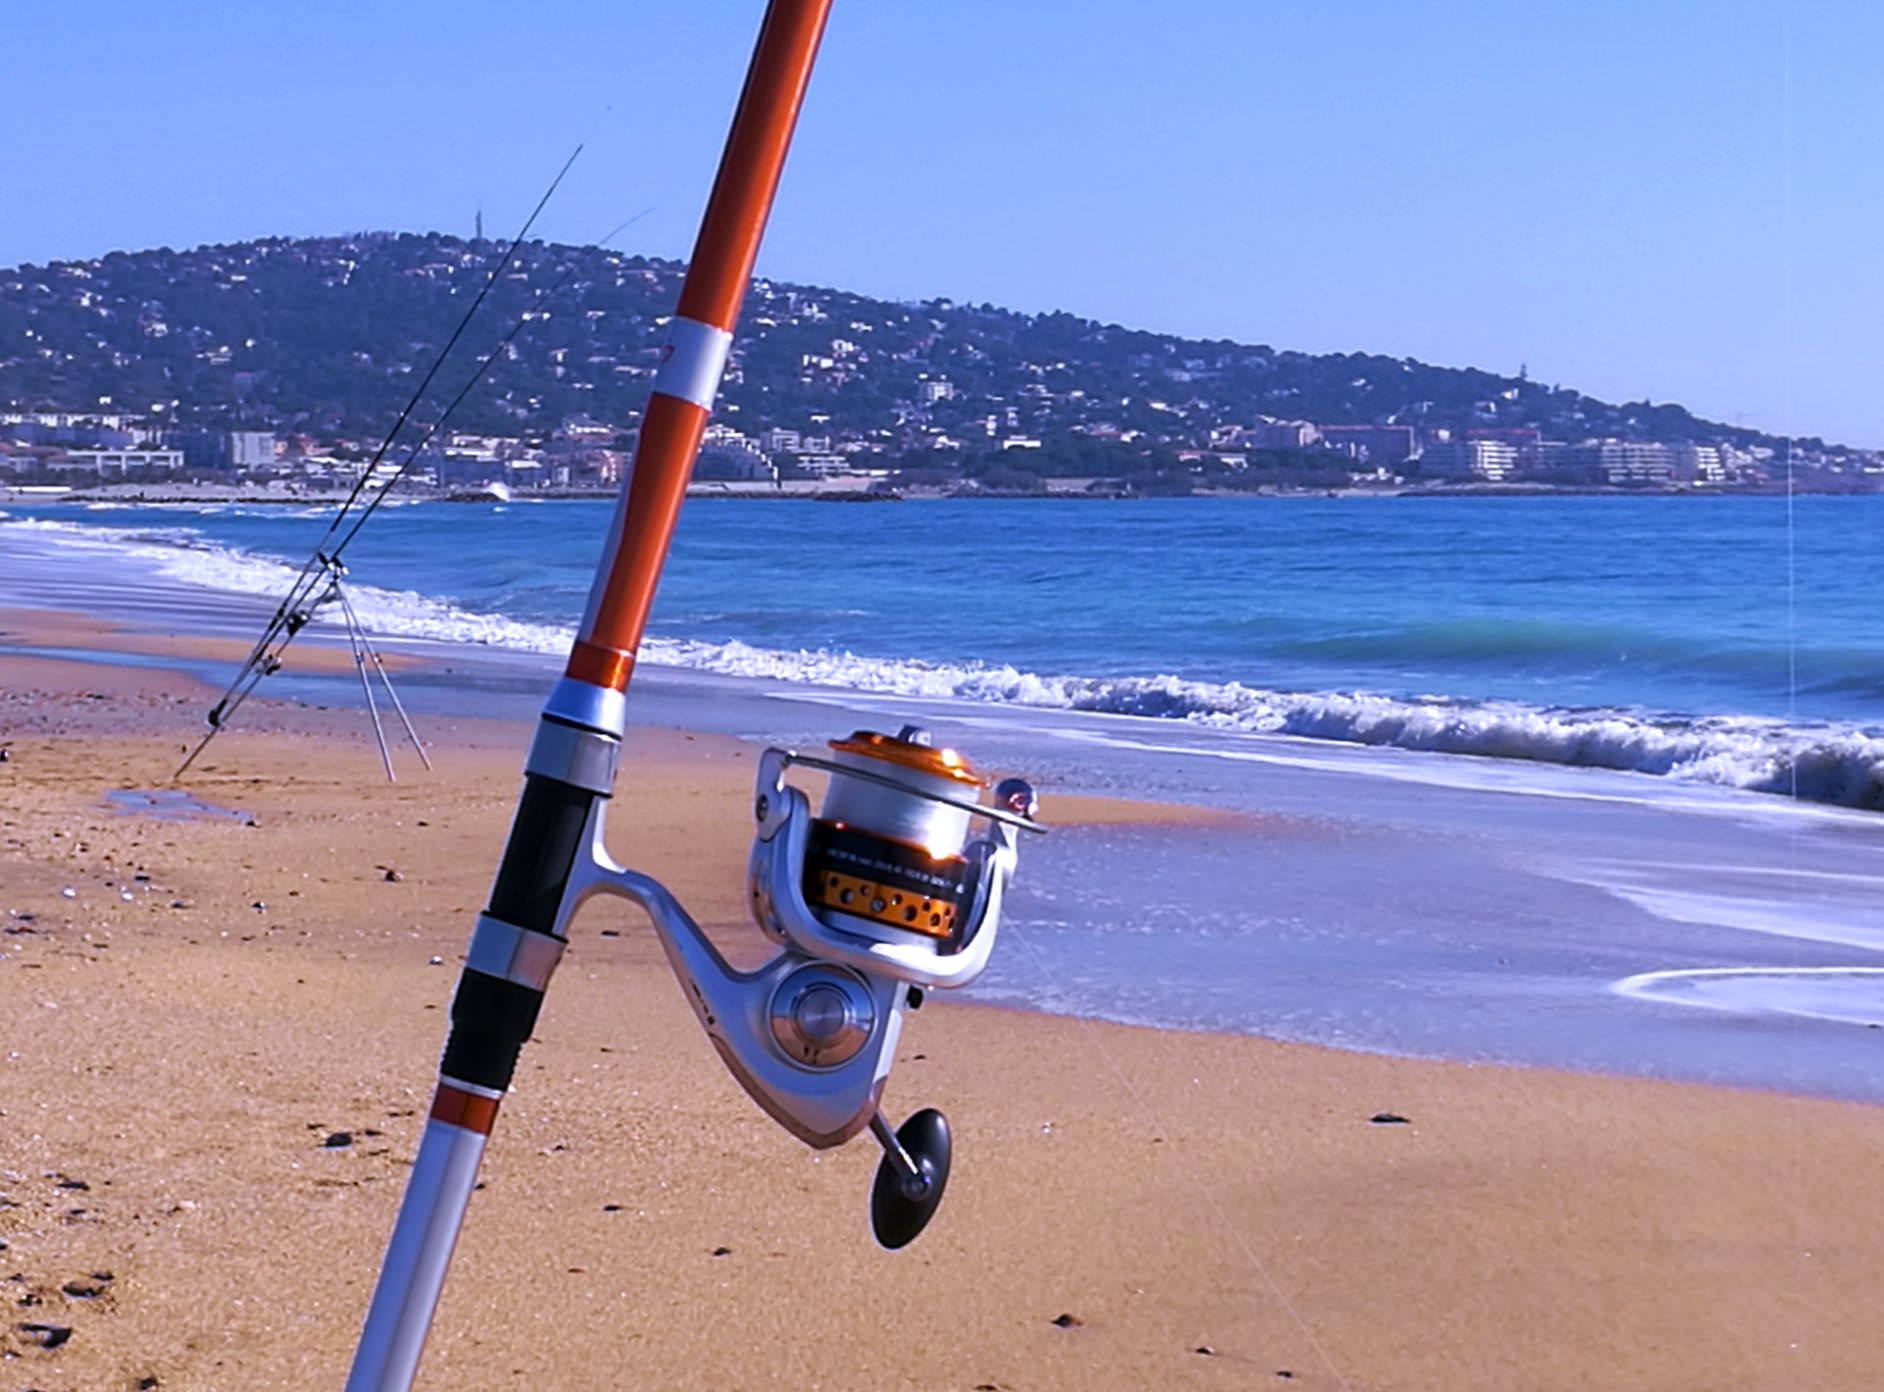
[[67, 1182], [722, 1251], [337, 1140], [393, 876], [1206, 1350], [1388, 1119], [1284, 1373], [1067, 1321], [82, 1290], [611, 1208], [47, 1336]]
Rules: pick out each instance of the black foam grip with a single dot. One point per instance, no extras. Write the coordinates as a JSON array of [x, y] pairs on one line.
[[490, 1020], [544, 840]]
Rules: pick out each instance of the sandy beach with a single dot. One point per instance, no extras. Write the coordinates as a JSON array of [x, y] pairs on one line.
[[220, 1034]]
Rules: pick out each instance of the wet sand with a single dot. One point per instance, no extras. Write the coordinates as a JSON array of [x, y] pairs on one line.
[[178, 1068], [56, 628]]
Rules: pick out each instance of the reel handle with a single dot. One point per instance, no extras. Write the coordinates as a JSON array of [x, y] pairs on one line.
[[910, 1181]]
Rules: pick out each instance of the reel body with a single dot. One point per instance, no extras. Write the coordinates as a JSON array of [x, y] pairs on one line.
[[883, 893]]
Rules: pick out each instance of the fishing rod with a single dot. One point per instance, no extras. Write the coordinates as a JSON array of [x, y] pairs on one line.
[[885, 892], [319, 576]]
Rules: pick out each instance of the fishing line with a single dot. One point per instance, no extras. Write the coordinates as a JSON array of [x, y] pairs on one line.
[[438, 362], [1203, 1191], [543, 296], [1791, 425]]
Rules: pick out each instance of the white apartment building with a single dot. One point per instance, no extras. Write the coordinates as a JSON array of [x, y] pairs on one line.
[[1493, 460], [823, 465], [121, 462]]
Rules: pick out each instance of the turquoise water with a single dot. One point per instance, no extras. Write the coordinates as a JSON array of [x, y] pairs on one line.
[[1704, 637]]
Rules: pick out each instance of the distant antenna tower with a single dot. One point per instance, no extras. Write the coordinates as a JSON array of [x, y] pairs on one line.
[[479, 235]]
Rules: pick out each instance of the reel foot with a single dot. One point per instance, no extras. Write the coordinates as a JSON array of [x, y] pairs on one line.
[[910, 1180]]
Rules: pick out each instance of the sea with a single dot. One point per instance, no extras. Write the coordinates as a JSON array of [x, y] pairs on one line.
[[1588, 782]]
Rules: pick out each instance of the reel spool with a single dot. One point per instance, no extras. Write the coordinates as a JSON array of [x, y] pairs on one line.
[[882, 863], [885, 892]]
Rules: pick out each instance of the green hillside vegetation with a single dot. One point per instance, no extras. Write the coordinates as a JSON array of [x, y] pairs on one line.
[[327, 336]]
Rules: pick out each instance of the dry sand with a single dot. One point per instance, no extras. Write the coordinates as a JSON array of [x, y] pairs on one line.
[[183, 1034]]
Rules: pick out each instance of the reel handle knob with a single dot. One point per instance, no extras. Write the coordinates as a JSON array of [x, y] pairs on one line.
[[910, 1180]]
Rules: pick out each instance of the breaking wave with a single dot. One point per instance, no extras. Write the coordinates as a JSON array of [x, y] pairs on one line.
[[1843, 765], [1840, 764]]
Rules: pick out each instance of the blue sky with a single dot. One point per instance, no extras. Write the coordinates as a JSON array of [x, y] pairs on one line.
[[1679, 201]]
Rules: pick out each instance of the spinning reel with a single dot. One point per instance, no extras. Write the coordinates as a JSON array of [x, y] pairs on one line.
[[879, 896]]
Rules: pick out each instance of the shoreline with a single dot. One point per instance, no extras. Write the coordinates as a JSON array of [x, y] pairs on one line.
[[1671, 732], [863, 489], [219, 997], [48, 641]]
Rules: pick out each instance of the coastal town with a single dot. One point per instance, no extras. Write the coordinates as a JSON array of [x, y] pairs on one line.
[[278, 367], [64, 450]]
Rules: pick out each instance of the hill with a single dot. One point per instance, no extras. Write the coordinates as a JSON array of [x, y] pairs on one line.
[[327, 336]]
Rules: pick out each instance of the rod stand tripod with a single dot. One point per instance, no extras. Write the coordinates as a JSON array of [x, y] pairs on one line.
[[364, 655], [318, 585]]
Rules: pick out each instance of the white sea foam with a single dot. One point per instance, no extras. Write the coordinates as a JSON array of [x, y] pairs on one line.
[[1841, 995], [183, 556], [1842, 765]]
